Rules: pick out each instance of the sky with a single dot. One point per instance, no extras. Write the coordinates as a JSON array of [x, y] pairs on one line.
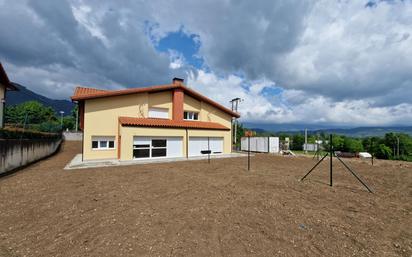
[[333, 62]]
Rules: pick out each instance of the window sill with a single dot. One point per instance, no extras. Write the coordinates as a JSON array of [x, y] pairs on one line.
[[103, 149]]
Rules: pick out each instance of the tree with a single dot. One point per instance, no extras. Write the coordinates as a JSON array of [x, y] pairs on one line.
[[31, 112], [297, 142], [383, 152], [352, 145]]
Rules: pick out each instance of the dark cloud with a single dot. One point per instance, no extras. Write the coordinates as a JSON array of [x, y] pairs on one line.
[[337, 53]]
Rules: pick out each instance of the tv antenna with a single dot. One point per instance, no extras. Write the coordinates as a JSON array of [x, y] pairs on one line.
[[332, 154]]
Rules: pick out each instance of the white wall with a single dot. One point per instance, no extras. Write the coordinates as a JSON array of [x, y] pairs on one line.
[[260, 144], [73, 136]]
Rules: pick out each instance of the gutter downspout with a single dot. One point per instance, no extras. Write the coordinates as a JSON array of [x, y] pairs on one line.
[[187, 144]]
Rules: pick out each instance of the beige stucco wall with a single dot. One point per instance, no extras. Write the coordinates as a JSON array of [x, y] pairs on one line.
[[212, 114], [191, 104], [128, 133], [101, 119], [162, 100]]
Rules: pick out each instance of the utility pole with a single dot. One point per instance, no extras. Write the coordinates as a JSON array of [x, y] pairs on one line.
[[306, 141], [61, 119], [397, 139], [235, 104], [77, 117]]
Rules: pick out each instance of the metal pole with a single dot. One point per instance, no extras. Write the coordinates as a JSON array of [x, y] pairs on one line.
[[77, 117], [248, 153], [331, 157], [398, 147], [354, 174], [306, 141], [208, 148]]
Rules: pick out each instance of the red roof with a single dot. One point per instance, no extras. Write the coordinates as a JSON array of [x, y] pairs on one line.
[[83, 93], [165, 123]]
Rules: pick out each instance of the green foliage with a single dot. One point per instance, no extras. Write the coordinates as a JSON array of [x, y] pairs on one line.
[[27, 134], [383, 152], [31, 112], [240, 132], [352, 145], [33, 115], [297, 142]]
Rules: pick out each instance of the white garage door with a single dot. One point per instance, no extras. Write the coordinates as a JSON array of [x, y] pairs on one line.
[[198, 144], [157, 147]]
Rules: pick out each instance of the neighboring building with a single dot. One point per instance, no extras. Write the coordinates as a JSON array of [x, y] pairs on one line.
[[153, 122], [5, 86], [260, 144]]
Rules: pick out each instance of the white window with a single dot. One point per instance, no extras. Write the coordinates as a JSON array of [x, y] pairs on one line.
[[102, 143], [191, 116], [162, 113]]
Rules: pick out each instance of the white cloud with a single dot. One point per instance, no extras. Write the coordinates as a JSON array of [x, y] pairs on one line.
[[295, 106]]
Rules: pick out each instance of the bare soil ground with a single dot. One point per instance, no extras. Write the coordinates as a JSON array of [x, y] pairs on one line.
[[196, 209]]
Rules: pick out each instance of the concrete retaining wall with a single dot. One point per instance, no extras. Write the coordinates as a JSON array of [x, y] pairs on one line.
[[15, 153], [73, 136]]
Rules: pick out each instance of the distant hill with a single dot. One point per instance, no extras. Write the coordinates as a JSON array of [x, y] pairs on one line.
[[24, 95], [368, 131], [314, 129]]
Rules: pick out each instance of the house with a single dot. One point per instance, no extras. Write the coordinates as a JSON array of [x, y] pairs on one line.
[[5, 85], [152, 122]]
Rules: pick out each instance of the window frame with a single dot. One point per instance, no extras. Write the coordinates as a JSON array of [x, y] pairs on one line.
[[190, 115], [100, 139], [150, 147]]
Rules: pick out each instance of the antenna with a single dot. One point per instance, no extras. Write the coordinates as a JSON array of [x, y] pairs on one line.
[[235, 104]]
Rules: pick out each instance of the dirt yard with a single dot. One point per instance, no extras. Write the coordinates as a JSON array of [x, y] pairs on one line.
[[196, 209]]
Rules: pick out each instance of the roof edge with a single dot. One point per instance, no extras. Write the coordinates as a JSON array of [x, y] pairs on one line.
[[157, 88]]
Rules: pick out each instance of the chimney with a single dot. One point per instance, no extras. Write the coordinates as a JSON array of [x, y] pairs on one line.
[[178, 100], [178, 81]]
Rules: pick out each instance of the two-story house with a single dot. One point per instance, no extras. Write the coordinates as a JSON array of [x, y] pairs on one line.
[[5, 85], [152, 122]]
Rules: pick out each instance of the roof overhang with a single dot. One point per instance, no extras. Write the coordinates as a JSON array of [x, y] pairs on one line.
[[82, 93], [166, 123]]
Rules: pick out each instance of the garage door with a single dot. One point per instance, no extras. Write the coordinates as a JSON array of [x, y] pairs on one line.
[[198, 144], [157, 147]]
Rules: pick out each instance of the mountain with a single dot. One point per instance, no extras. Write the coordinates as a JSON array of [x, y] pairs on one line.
[[315, 129], [24, 95]]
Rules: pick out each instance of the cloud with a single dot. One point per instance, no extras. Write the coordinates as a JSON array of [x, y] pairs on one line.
[[295, 106], [291, 61]]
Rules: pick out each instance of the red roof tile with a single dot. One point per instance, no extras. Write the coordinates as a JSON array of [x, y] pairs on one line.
[[82, 93], [165, 123]]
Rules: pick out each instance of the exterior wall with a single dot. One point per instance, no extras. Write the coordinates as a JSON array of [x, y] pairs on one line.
[[191, 104], [161, 100], [72, 136], [227, 140], [2, 99], [212, 114], [17, 153], [101, 119], [127, 134]]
